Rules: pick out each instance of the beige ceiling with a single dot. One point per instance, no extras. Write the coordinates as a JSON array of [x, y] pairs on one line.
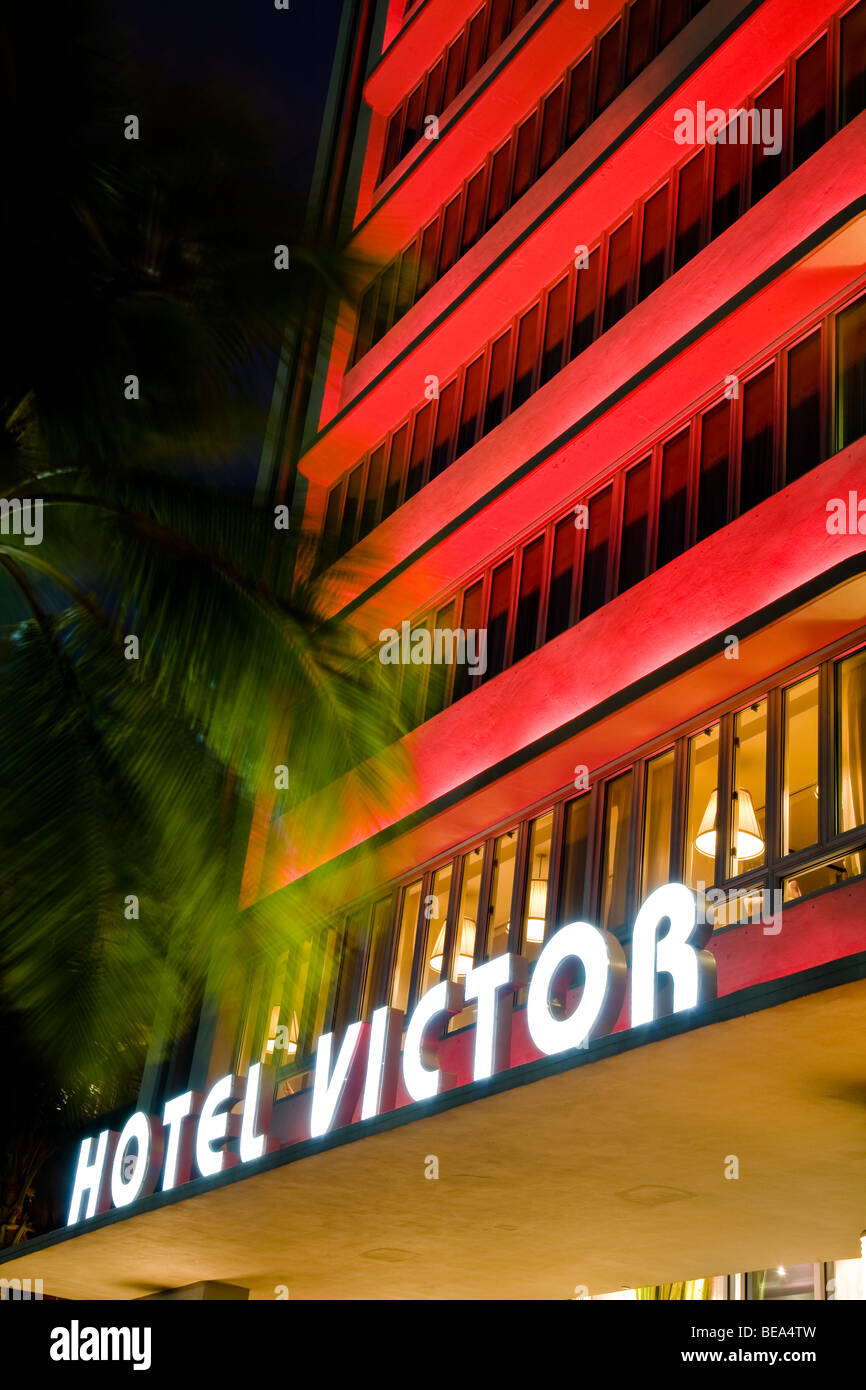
[[607, 1175]]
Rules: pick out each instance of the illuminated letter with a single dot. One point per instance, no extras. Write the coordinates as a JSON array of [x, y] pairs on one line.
[[146, 1134], [493, 985], [256, 1114], [89, 1177], [692, 970], [421, 1074], [380, 1085], [178, 1151], [335, 1094], [213, 1128], [604, 969]]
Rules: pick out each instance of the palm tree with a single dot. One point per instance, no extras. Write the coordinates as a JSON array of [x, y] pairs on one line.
[[160, 649]]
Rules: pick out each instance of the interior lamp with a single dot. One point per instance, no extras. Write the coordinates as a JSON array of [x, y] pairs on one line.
[[465, 954], [537, 907], [748, 841]]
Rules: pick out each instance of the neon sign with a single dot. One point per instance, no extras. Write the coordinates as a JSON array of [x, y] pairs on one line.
[[200, 1130]]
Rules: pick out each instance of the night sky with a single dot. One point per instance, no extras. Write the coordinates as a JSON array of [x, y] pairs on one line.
[[283, 58]]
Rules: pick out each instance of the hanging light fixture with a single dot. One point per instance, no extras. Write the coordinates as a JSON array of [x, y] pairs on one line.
[[748, 841], [465, 954], [537, 912]]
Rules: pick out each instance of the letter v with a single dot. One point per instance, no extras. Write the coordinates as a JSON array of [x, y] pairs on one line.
[[335, 1093]]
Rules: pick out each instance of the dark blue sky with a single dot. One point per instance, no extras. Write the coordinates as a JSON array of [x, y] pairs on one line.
[[283, 57]]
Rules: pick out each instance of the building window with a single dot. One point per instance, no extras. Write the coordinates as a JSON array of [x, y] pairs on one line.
[[402, 976], [851, 374], [800, 765], [658, 809], [501, 892], [747, 849], [851, 700], [702, 809], [614, 863], [575, 860], [537, 887], [435, 916]]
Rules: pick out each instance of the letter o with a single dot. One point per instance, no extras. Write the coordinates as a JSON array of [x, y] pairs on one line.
[[604, 965]]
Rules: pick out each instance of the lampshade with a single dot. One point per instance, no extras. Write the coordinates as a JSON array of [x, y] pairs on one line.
[[748, 841], [465, 954], [537, 910]]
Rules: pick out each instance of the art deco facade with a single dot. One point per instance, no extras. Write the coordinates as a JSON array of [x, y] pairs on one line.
[[602, 399]]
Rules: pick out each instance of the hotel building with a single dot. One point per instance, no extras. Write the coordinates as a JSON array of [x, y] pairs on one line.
[[599, 406]]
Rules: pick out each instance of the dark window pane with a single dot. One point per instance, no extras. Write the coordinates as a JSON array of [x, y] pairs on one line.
[[690, 208], [414, 118], [713, 481], [853, 96], [392, 143], [497, 200], [442, 442], [439, 684], [766, 167], [673, 502], [727, 179], [675, 15], [364, 338], [635, 527], [470, 410], [373, 491], [527, 351], [555, 324], [454, 70], [475, 45], [435, 88], [614, 857], [574, 862], [851, 374], [470, 621], [756, 467], [640, 28], [654, 242], [524, 159], [332, 523], [385, 304], [427, 267], [450, 235], [810, 110], [396, 463], [585, 305], [618, 275], [551, 128], [608, 67], [406, 282], [593, 590], [497, 620], [350, 510], [529, 600], [578, 99], [420, 449], [497, 385], [499, 16], [803, 433], [473, 221], [561, 572]]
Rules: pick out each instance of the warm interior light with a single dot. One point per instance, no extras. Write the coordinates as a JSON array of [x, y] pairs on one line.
[[748, 840], [466, 953], [537, 910]]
